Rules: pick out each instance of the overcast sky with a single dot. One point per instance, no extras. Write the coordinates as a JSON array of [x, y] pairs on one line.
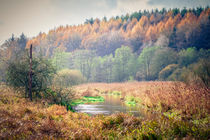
[[33, 16]]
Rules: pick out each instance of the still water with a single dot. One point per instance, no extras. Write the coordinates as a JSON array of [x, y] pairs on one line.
[[111, 105]]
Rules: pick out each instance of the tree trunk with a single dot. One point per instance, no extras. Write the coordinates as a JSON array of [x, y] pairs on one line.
[[30, 74]]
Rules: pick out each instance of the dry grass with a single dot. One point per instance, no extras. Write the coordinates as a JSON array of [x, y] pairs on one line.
[[22, 119], [163, 96]]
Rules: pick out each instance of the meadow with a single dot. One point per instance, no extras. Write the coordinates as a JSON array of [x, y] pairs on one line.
[[174, 111]]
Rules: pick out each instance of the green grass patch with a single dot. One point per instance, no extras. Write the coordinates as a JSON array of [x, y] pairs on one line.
[[87, 99], [132, 101]]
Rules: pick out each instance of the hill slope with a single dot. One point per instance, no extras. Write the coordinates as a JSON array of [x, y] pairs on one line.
[[174, 28]]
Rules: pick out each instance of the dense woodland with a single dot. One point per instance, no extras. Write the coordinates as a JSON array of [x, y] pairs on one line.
[[145, 45]]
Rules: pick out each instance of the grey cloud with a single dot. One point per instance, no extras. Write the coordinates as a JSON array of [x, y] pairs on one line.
[[84, 5], [112, 3], [83, 9], [179, 3]]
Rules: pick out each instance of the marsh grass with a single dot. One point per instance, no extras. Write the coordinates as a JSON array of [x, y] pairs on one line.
[[187, 100], [22, 119]]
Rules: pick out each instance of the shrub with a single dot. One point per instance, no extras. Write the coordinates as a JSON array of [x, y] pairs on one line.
[[202, 70], [18, 74], [196, 73], [176, 75], [60, 96], [167, 71], [67, 77], [199, 73]]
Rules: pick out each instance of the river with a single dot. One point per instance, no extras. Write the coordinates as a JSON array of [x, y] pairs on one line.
[[111, 105]]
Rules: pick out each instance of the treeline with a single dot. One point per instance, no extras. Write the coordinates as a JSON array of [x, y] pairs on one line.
[[154, 63], [174, 28]]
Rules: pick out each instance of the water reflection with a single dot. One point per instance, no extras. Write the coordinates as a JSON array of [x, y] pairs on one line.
[[112, 104]]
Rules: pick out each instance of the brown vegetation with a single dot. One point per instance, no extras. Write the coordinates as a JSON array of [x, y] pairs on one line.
[[188, 100], [22, 119]]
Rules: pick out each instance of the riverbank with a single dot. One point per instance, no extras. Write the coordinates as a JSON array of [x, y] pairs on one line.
[[22, 119], [187, 101]]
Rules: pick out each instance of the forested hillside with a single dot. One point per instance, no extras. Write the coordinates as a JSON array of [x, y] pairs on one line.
[[173, 28], [144, 45]]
